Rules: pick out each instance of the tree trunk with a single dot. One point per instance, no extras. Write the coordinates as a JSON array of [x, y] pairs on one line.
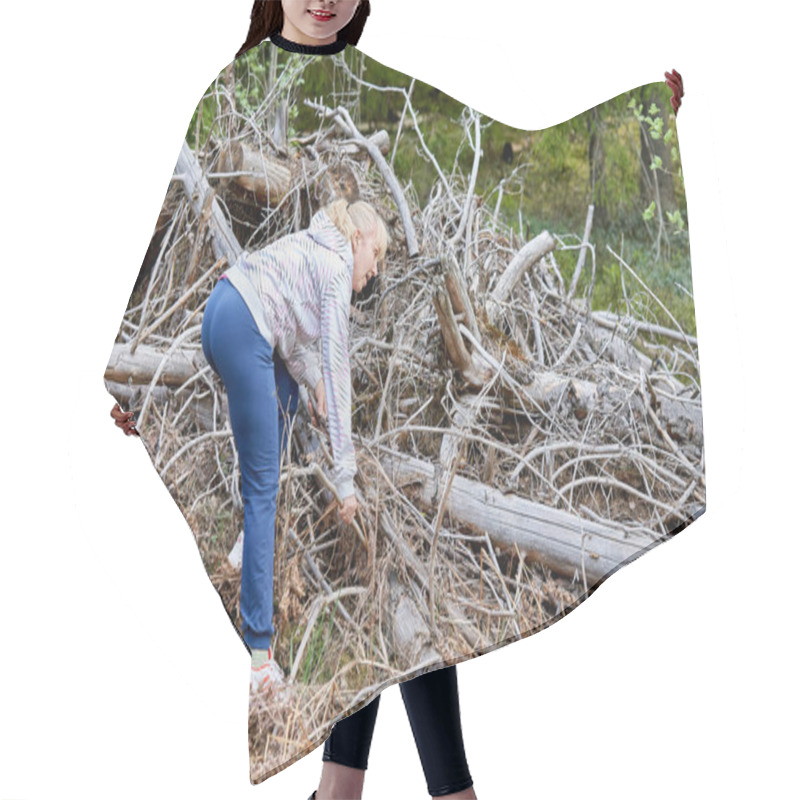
[[565, 543], [597, 168]]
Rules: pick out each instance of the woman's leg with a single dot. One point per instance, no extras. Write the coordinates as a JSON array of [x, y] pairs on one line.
[[346, 754], [242, 357], [288, 399], [431, 701]]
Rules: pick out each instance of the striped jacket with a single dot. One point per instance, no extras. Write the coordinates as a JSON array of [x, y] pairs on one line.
[[298, 291]]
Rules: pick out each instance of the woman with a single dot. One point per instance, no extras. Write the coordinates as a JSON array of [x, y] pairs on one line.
[[258, 327]]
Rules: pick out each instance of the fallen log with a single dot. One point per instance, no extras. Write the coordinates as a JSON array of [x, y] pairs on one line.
[[463, 418], [179, 366], [415, 565], [549, 390], [613, 347], [267, 177], [567, 544], [554, 391]]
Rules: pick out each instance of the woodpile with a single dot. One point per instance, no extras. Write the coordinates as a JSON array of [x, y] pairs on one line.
[[515, 447]]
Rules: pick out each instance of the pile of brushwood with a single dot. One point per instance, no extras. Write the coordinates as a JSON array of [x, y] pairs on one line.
[[514, 445]]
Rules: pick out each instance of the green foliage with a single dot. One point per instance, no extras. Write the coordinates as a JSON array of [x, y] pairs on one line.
[[322, 635], [676, 218], [653, 123], [653, 119], [548, 182]]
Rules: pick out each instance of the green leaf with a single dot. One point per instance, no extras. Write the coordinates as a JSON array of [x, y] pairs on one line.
[[676, 219]]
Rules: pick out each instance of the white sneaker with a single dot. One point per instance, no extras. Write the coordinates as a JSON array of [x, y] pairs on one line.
[[267, 676], [235, 555]]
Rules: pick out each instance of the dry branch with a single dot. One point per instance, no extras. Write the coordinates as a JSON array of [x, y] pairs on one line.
[[342, 118], [198, 189], [538, 247]]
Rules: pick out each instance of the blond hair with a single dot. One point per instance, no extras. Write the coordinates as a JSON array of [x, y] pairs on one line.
[[349, 218]]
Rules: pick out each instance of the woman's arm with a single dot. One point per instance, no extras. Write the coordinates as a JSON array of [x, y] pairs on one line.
[[335, 334]]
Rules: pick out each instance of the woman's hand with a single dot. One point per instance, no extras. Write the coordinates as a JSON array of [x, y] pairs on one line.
[[319, 398], [348, 508], [124, 420]]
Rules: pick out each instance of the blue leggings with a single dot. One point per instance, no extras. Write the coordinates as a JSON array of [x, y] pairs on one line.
[[431, 701], [262, 399]]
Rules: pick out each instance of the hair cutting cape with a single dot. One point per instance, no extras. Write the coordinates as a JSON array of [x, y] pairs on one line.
[[526, 405]]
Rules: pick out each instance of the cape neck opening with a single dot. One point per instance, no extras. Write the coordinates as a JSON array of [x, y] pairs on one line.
[[311, 49]]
